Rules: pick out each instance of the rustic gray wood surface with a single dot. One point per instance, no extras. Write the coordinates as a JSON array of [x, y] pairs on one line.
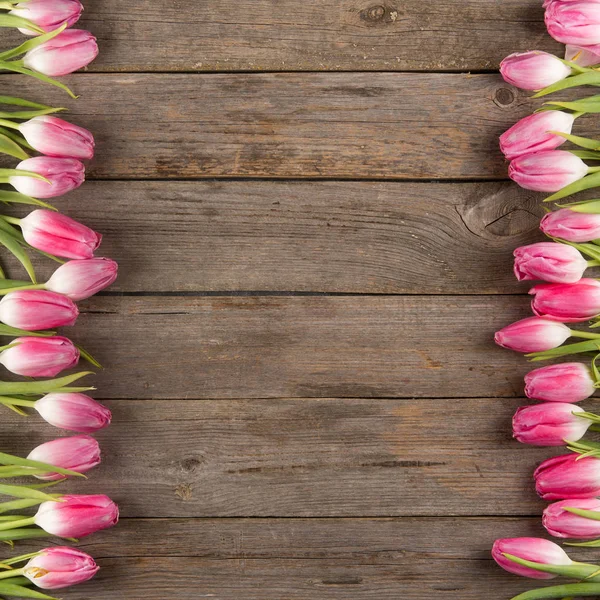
[[307, 401]]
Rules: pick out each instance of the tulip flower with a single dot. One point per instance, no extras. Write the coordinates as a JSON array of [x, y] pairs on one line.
[[73, 411], [567, 302], [568, 476], [69, 51], [535, 550], [560, 522], [57, 138], [60, 567], [58, 234], [79, 453], [34, 310], [63, 175], [584, 56], [80, 279], [571, 225], [547, 171], [565, 382], [549, 424], [549, 261], [574, 22], [48, 14], [39, 356], [531, 335], [533, 70], [534, 133]]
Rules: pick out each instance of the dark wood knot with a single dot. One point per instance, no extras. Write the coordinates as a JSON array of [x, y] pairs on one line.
[[379, 14], [504, 96]]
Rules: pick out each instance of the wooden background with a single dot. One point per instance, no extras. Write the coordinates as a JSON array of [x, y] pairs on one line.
[[315, 231]]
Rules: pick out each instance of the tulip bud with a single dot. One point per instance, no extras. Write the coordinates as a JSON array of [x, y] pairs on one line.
[[547, 171], [64, 175], [549, 424], [77, 516], [535, 550], [574, 22], [69, 51], [564, 524], [73, 411], [80, 279], [533, 70], [567, 302], [48, 14], [59, 235], [60, 567], [532, 335], [79, 453], [532, 134], [40, 356], [565, 382], [568, 476], [549, 261], [57, 138], [34, 310], [571, 225], [584, 56]]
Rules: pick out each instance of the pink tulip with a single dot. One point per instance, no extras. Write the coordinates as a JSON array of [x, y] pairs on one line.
[[64, 175], [574, 22], [80, 279], [564, 524], [568, 476], [547, 171], [48, 14], [59, 235], [535, 550], [533, 70], [549, 261], [77, 516], [40, 357], [571, 225], [69, 51], [532, 335], [567, 302], [60, 567], [54, 137], [549, 424], [78, 453], [34, 310], [532, 134], [565, 382], [73, 411], [584, 56]]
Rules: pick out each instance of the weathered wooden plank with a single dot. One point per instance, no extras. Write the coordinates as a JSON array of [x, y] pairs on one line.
[[270, 347], [350, 35], [309, 237], [307, 458], [319, 125]]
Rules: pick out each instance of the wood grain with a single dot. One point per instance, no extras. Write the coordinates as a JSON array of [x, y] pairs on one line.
[[317, 125], [407, 238], [307, 458], [317, 35]]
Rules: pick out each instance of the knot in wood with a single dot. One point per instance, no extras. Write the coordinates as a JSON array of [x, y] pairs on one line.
[[379, 14], [504, 97]]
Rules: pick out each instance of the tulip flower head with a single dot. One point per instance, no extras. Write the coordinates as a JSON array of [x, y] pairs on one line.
[[568, 476], [79, 453], [532, 335], [549, 261], [565, 382], [533, 70], [63, 175], [34, 310], [562, 523], [57, 138], [60, 567], [74, 412], [48, 14], [532, 134], [571, 225], [584, 56], [80, 279], [547, 171], [574, 22], [567, 302], [59, 235], [535, 550], [40, 356]]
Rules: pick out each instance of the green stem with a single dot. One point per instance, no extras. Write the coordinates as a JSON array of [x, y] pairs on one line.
[[12, 573], [15, 221], [593, 263], [8, 401], [9, 124], [33, 286], [593, 170], [561, 591], [17, 524], [586, 335]]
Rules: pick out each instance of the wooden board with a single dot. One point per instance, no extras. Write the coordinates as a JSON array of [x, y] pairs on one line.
[[316, 125]]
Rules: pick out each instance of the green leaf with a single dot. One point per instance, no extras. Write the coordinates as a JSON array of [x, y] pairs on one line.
[[29, 114], [9, 388], [87, 356], [7, 459], [586, 514], [24, 492], [591, 207], [17, 198], [31, 44], [586, 105], [591, 544], [15, 21], [577, 348], [10, 147], [9, 242], [586, 154], [558, 591], [587, 183], [4, 173], [14, 101], [588, 78], [15, 136], [583, 142], [6, 472], [17, 505], [22, 592], [12, 66]]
